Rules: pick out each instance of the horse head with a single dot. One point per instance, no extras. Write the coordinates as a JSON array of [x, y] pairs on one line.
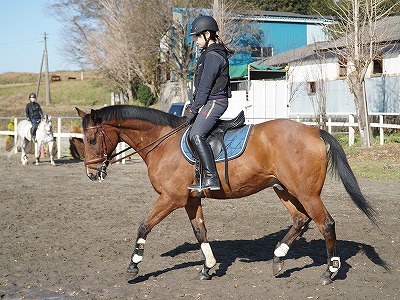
[[47, 125], [98, 144]]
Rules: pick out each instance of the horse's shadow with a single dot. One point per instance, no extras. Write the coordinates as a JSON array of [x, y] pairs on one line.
[[228, 251]]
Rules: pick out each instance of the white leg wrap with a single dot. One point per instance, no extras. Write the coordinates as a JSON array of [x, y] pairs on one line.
[[335, 264], [282, 250], [208, 254], [138, 257]]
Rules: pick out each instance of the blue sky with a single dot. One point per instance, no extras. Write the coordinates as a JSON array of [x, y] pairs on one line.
[[22, 26]]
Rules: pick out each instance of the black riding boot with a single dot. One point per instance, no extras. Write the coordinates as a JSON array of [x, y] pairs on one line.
[[203, 150], [33, 131]]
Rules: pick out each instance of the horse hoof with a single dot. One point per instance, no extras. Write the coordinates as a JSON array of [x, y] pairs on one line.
[[326, 281], [133, 270], [277, 266], [203, 276]]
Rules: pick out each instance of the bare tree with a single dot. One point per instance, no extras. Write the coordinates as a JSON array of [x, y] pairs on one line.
[[361, 33], [122, 38]]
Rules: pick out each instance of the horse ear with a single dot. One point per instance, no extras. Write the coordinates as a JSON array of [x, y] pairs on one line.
[[81, 113], [93, 114]]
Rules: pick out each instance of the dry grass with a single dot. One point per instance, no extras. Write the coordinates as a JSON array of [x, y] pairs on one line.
[[91, 92]]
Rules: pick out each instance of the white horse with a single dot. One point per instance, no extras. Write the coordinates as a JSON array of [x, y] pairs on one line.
[[44, 135]]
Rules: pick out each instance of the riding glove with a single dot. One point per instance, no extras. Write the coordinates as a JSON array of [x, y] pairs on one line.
[[189, 114]]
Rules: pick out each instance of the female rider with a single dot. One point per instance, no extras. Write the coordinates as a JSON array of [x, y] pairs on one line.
[[210, 100]]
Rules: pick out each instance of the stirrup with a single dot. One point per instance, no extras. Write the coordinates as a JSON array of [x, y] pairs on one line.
[[198, 171], [194, 186], [206, 184]]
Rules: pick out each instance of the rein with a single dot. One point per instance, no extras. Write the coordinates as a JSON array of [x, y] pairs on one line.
[[106, 161], [158, 141]]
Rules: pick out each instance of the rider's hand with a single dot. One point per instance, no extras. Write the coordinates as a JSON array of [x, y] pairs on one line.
[[189, 114]]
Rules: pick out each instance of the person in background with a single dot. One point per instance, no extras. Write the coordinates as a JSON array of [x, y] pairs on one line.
[[210, 99], [34, 114]]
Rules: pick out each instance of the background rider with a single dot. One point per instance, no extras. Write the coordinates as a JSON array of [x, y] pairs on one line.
[[34, 114]]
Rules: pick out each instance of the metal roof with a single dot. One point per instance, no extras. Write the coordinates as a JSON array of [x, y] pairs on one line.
[[387, 31]]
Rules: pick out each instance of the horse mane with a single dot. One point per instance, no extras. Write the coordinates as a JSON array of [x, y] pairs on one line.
[[124, 112]]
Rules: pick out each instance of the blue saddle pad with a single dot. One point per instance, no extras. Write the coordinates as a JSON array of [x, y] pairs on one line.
[[235, 142]]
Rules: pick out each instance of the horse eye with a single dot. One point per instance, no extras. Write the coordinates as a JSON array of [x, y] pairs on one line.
[[92, 141]]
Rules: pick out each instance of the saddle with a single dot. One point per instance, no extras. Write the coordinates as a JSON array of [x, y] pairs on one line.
[[216, 139]]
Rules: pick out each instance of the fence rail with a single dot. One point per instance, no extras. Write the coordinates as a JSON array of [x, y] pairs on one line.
[[58, 134], [303, 118], [350, 123]]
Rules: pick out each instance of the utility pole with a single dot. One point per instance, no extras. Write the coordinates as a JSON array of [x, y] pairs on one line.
[[45, 59], [47, 71]]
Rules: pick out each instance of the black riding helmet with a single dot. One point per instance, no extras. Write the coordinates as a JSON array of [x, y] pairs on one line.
[[32, 95], [203, 23]]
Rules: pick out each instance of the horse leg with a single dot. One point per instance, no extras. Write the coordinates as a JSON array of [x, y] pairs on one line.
[[300, 220], [161, 208], [38, 148], [194, 211], [326, 225], [24, 157], [51, 153]]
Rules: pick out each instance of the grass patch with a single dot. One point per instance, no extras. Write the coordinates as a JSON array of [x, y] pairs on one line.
[[91, 92], [376, 169], [18, 78]]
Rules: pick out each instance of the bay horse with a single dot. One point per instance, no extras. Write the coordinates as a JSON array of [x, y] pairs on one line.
[[288, 156], [44, 136]]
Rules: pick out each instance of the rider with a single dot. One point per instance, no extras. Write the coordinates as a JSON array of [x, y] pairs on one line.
[[210, 99], [34, 114]]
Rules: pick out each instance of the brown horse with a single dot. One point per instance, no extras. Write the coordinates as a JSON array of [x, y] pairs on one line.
[[290, 157]]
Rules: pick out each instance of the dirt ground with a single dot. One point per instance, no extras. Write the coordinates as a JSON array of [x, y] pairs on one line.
[[65, 237]]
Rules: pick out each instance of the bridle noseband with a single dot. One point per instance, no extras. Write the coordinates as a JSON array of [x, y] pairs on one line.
[[103, 146], [106, 161]]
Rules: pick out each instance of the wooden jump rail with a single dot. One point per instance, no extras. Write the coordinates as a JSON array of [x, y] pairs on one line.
[[55, 78]]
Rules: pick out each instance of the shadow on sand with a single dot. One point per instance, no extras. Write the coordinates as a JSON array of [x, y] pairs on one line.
[[258, 250]]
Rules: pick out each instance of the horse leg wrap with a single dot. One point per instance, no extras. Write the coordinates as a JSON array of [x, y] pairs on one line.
[[209, 256], [137, 256], [281, 250], [334, 264]]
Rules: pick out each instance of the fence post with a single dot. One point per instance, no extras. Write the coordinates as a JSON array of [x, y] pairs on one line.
[[330, 125], [59, 137], [381, 133], [351, 130], [15, 134]]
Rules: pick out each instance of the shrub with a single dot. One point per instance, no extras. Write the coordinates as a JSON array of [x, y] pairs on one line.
[[144, 95]]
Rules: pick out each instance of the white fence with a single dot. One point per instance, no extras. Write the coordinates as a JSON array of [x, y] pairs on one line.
[[303, 118], [350, 123], [58, 134]]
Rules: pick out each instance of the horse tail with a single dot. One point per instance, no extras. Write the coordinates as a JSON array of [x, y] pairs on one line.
[[16, 143], [338, 163]]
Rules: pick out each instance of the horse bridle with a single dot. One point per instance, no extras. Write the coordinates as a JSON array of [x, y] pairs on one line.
[[103, 146], [105, 160]]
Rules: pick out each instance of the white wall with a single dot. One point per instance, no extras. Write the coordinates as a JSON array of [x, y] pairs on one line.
[[391, 64], [236, 104], [267, 100], [313, 71]]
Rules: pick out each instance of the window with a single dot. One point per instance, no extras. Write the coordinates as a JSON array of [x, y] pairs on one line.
[[312, 88], [377, 66], [261, 52], [342, 67]]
